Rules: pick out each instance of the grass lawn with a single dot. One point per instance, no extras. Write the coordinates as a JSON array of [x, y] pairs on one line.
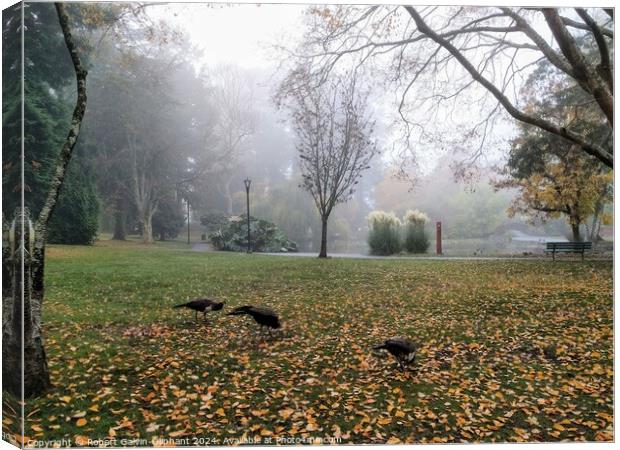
[[124, 364]]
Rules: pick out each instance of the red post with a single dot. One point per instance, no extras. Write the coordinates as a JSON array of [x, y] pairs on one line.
[[438, 238]]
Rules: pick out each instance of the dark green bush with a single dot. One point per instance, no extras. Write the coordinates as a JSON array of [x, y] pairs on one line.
[[383, 237], [416, 239], [264, 236], [169, 219]]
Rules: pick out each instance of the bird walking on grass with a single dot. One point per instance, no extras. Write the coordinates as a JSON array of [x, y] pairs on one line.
[[400, 348], [203, 305], [263, 316]]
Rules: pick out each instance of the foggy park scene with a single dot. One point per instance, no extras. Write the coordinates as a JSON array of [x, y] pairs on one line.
[[290, 224]]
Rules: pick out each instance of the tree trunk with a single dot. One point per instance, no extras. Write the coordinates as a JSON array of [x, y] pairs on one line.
[[26, 251], [22, 319], [575, 229], [595, 229], [36, 375], [147, 228], [228, 197], [11, 312], [323, 253], [119, 222]]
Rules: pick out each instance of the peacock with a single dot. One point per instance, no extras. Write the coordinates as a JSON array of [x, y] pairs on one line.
[[265, 317], [402, 349], [204, 305]]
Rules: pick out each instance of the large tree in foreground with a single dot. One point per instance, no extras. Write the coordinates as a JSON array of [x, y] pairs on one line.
[[443, 61], [24, 250], [334, 141]]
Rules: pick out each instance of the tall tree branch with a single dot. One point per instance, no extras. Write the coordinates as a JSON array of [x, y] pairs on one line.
[[76, 122], [582, 26], [605, 66], [591, 80], [554, 57], [589, 147]]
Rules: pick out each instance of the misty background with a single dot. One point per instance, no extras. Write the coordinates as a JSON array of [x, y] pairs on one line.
[[181, 110]]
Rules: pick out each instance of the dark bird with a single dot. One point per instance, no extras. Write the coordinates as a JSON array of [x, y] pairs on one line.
[[204, 305], [265, 317], [550, 351], [402, 349]]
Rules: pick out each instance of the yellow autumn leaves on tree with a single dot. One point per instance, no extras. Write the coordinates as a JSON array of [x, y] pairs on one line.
[[572, 187]]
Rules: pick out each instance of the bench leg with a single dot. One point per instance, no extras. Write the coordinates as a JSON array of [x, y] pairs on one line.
[[553, 255]]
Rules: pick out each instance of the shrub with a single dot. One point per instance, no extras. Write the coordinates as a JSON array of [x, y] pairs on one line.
[[265, 236], [416, 237], [214, 220], [383, 238]]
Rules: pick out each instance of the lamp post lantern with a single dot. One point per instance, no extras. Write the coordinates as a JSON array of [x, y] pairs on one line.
[[247, 183]]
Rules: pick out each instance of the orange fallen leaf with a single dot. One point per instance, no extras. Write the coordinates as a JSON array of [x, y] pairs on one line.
[[286, 413]]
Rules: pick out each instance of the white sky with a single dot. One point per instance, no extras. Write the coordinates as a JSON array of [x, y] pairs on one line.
[[238, 34], [244, 35]]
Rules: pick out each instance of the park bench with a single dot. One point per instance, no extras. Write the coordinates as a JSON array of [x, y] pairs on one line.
[[568, 247]]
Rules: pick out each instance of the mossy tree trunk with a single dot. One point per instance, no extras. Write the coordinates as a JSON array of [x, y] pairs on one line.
[[21, 331]]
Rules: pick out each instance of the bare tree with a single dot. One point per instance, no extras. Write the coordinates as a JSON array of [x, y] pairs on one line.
[[443, 60], [148, 182], [595, 79], [159, 135], [334, 141], [24, 250], [233, 101], [148, 150]]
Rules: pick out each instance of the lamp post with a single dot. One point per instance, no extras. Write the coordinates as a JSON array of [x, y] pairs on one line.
[[188, 243], [247, 183]]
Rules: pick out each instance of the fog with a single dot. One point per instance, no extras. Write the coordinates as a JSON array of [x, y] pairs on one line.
[[183, 106]]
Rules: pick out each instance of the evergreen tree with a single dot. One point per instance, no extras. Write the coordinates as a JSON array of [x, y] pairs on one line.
[[46, 116], [168, 219], [76, 218]]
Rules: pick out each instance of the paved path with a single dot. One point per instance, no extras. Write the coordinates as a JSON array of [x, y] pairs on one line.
[[204, 247], [360, 256]]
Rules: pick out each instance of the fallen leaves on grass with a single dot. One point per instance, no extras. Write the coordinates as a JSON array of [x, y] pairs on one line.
[[482, 373]]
